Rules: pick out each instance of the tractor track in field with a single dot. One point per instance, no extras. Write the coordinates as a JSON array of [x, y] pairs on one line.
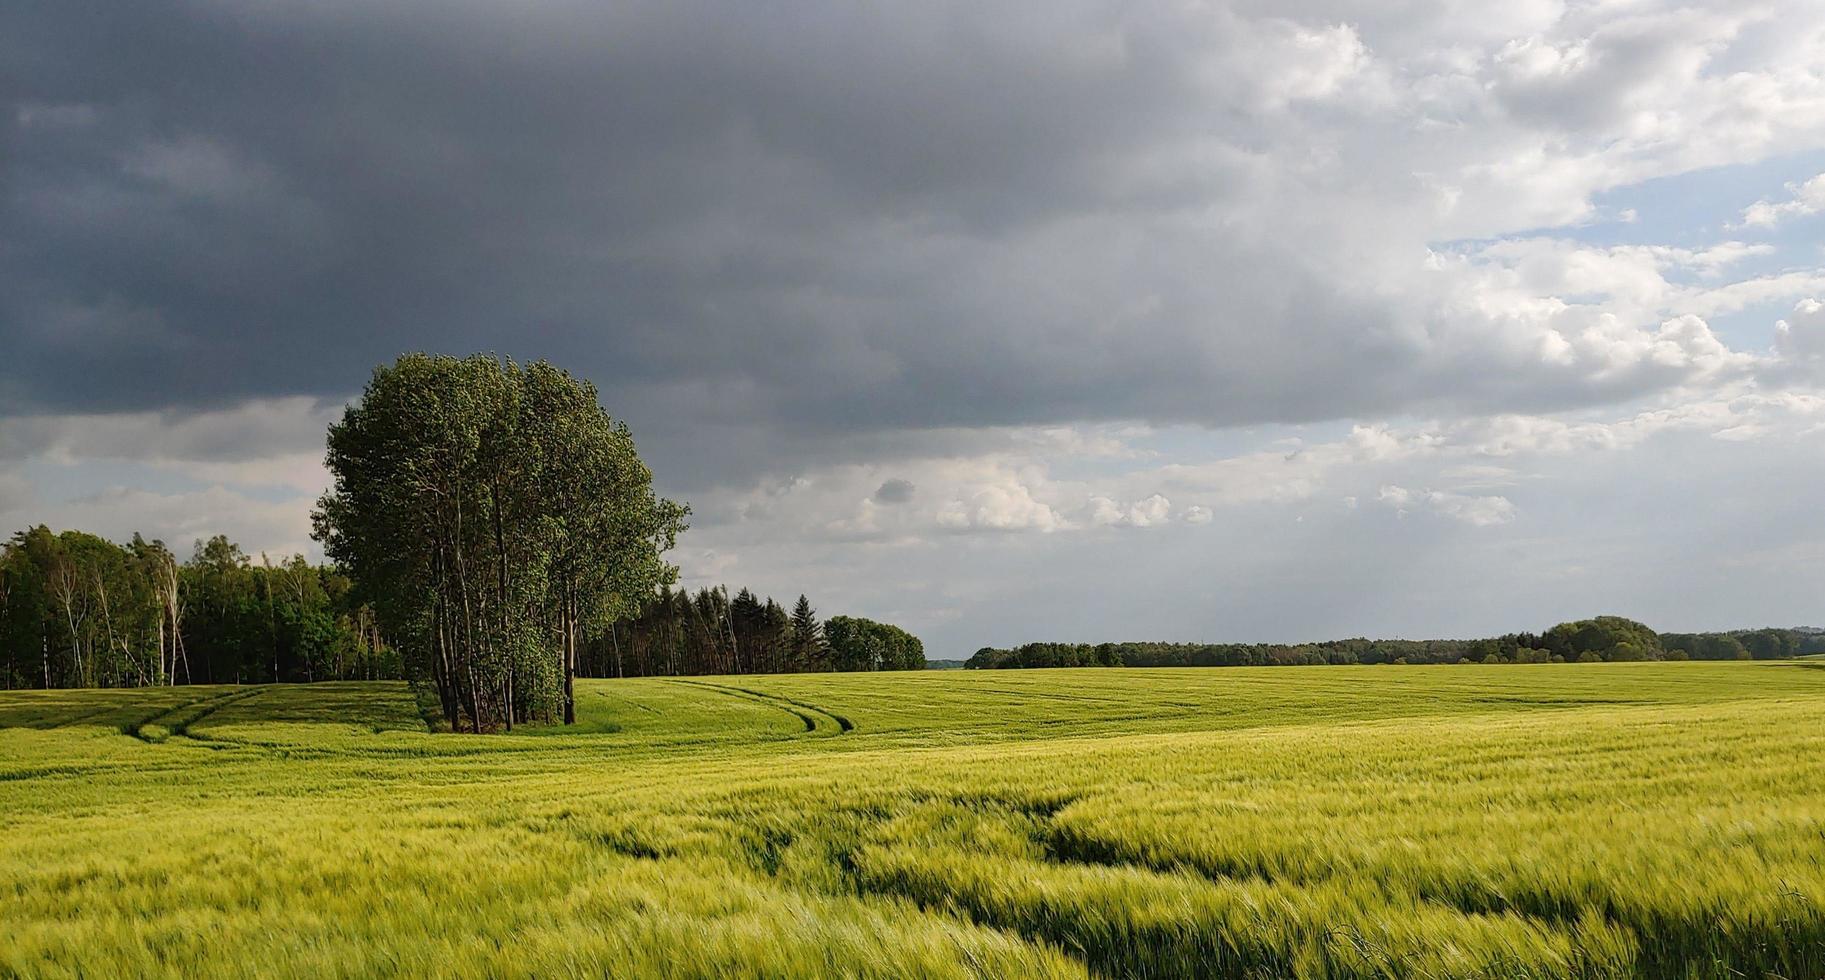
[[133, 728], [807, 713], [1050, 695], [177, 721], [611, 698], [74, 721]]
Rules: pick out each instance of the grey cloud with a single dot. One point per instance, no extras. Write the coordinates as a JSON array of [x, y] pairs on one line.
[[261, 429], [894, 491], [277, 527], [780, 217], [16, 493]]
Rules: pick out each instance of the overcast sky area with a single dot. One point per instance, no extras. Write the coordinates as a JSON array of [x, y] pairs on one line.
[[1078, 321]]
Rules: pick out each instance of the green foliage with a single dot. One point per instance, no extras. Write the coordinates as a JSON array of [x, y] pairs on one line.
[[498, 515], [681, 633], [1758, 644], [707, 632], [76, 610], [809, 648], [1620, 820], [1610, 638], [863, 644]]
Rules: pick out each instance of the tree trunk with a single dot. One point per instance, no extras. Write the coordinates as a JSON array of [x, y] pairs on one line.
[[500, 552], [570, 659]]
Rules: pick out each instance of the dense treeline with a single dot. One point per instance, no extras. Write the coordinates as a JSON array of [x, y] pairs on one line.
[[708, 632], [499, 518], [1762, 644], [77, 610], [1605, 638]]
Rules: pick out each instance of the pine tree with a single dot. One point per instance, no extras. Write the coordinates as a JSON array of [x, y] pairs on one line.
[[807, 638]]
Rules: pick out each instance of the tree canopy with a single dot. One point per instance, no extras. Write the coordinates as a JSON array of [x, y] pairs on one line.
[[863, 644], [499, 516]]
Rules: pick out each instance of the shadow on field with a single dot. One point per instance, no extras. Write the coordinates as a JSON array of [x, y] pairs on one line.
[[50, 710], [172, 710]]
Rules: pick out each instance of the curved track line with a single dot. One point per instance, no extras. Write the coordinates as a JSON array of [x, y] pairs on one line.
[[604, 695], [179, 719], [183, 728], [843, 723], [775, 701], [133, 727], [810, 722]]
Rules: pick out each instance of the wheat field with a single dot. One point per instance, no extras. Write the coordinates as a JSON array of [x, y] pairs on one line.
[[1657, 819]]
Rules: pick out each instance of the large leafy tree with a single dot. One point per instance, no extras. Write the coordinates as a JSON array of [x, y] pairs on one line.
[[497, 515]]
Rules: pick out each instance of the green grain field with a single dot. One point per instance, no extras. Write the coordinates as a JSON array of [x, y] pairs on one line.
[[1656, 819]]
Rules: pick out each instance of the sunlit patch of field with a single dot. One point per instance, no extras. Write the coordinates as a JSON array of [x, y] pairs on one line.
[[1558, 820]]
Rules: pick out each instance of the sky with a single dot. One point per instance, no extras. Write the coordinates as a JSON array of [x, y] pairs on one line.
[[1217, 321]]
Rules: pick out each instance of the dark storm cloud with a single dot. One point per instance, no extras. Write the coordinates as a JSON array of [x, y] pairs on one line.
[[894, 491], [730, 211], [739, 218], [198, 196]]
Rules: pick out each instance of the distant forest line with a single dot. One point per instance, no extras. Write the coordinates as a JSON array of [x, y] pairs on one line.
[[1602, 639]]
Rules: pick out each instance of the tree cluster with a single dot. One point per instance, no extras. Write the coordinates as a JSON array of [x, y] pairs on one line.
[[80, 611], [499, 518], [1604, 638], [863, 644], [708, 632]]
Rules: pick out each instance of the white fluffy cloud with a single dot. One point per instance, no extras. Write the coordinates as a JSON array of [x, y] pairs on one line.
[[1800, 338], [1004, 506], [1478, 510], [1804, 198], [1150, 511]]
